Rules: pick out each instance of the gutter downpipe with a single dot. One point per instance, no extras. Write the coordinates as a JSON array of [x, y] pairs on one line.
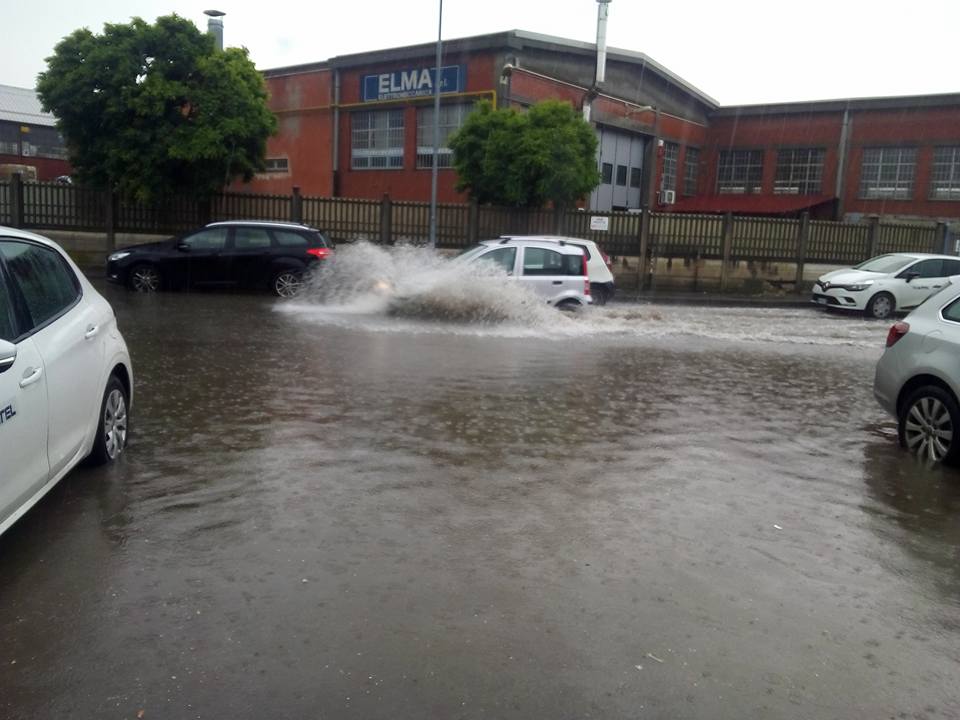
[[842, 161], [436, 132], [336, 132]]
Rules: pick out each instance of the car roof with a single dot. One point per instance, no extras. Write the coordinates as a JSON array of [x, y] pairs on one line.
[[550, 239], [259, 223], [563, 249], [26, 235], [923, 256]]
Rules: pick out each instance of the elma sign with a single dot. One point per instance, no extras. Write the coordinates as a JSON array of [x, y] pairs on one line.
[[412, 83]]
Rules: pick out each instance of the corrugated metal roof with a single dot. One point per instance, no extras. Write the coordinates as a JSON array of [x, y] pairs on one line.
[[22, 105]]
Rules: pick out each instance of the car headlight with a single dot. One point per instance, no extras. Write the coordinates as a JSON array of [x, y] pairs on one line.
[[857, 287], [118, 255]]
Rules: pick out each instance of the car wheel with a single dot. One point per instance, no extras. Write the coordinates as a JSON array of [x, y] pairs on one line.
[[112, 428], [287, 283], [881, 306], [928, 420], [568, 305], [144, 278]]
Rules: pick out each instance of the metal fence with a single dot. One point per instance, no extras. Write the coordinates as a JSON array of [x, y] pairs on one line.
[[648, 235]]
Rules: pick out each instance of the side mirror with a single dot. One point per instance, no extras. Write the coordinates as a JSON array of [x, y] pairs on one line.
[[8, 355], [911, 276], [183, 247]]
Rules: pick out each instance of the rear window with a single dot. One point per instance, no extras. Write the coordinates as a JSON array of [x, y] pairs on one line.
[[286, 238], [540, 261], [952, 311], [586, 250]]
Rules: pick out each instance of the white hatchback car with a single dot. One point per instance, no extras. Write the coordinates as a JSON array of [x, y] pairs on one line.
[[66, 382], [556, 271], [918, 378], [885, 284], [598, 263]]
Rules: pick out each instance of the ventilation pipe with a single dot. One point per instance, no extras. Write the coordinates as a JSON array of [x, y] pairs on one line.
[[603, 9], [215, 26]]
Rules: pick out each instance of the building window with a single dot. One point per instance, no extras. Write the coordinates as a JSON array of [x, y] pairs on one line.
[[799, 172], [636, 177], [451, 120], [606, 173], [691, 167], [887, 173], [277, 165], [740, 172], [622, 175], [44, 142], [670, 153], [9, 139], [376, 140], [945, 178]]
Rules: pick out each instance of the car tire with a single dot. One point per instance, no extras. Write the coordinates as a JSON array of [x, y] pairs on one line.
[[287, 283], [113, 425], [144, 278], [881, 306], [928, 422], [568, 306]]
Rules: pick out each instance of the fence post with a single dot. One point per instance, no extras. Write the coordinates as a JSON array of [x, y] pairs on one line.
[[473, 222], [726, 236], [16, 200], [873, 237], [803, 233], [110, 218], [386, 216], [644, 250], [940, 239], [296, 205], [559, 215]]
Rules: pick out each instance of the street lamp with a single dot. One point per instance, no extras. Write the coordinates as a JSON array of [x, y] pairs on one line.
[[436, 132], [215, 26]]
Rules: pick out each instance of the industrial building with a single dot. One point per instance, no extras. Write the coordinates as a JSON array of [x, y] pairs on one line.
[[362, 126], [29, 137]]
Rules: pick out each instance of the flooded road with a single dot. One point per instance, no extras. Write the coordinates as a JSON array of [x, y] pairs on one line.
[[636, 512]]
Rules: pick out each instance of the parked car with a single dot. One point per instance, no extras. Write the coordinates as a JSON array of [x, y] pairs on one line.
[[598, 264], [886, 284], [918, 378], [254, 255], [553, 269], [66, 383]]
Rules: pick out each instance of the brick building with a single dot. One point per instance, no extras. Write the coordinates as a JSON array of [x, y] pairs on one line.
[[28, 136]]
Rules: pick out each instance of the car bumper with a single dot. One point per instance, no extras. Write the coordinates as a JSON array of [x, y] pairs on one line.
[[840, 299]]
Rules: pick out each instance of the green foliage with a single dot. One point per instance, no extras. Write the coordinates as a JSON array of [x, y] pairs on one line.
[[152, 110], [547, 154]]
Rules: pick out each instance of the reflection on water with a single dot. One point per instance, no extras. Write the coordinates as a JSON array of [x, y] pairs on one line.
[[330, 509]]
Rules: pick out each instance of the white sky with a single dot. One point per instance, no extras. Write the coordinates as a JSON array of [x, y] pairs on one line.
[[737, 51]]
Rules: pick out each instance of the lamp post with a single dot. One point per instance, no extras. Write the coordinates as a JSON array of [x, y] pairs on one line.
[[436, 132], [215, 26]]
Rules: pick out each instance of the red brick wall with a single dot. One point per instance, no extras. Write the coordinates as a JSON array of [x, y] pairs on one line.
[[304, 136]]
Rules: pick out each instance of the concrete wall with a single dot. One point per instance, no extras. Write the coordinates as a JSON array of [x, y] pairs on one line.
[[89, 250]]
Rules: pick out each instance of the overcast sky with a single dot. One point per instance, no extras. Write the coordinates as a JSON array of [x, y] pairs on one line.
[[737, 51]]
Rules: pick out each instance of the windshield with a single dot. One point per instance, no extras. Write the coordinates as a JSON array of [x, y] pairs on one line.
[[885, 264]]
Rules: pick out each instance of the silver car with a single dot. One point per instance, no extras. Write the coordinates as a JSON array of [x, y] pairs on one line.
[[918, 378]]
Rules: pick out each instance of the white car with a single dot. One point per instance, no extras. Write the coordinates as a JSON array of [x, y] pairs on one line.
[[918, 378], [598, 263], [554, 270], [66, 382], [885, 284]]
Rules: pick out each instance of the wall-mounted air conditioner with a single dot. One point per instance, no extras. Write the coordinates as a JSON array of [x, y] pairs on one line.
[[668, 197]]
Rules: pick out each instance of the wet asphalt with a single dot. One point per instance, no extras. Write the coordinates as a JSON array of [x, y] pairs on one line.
[[658, 512]]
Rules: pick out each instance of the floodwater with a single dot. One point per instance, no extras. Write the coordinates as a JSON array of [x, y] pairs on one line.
[[331, 509]]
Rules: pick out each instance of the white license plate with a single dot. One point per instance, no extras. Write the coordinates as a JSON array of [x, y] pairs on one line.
[[822, 301]]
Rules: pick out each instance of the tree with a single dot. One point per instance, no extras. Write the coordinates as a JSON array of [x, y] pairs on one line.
[[547, 154], [152, 110]]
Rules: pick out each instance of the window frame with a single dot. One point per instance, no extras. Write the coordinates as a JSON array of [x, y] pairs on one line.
[[671, 165], [864, 192], [952, 181], [444, 153], [22, 316], [690, 180], [805, 174], [272, 170], [751, 185], [370, 151]]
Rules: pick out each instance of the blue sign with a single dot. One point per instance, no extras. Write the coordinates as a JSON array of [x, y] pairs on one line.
[[415, 82]]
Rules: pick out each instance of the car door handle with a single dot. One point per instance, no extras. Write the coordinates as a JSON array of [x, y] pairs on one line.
[[31, 376], [558, 282], [91, 331]]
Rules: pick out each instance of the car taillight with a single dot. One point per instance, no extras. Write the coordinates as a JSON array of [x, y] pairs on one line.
[[320, 253], [896, 332], [586, 278]]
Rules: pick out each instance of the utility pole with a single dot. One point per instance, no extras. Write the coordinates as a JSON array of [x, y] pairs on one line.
[[436, 132]]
